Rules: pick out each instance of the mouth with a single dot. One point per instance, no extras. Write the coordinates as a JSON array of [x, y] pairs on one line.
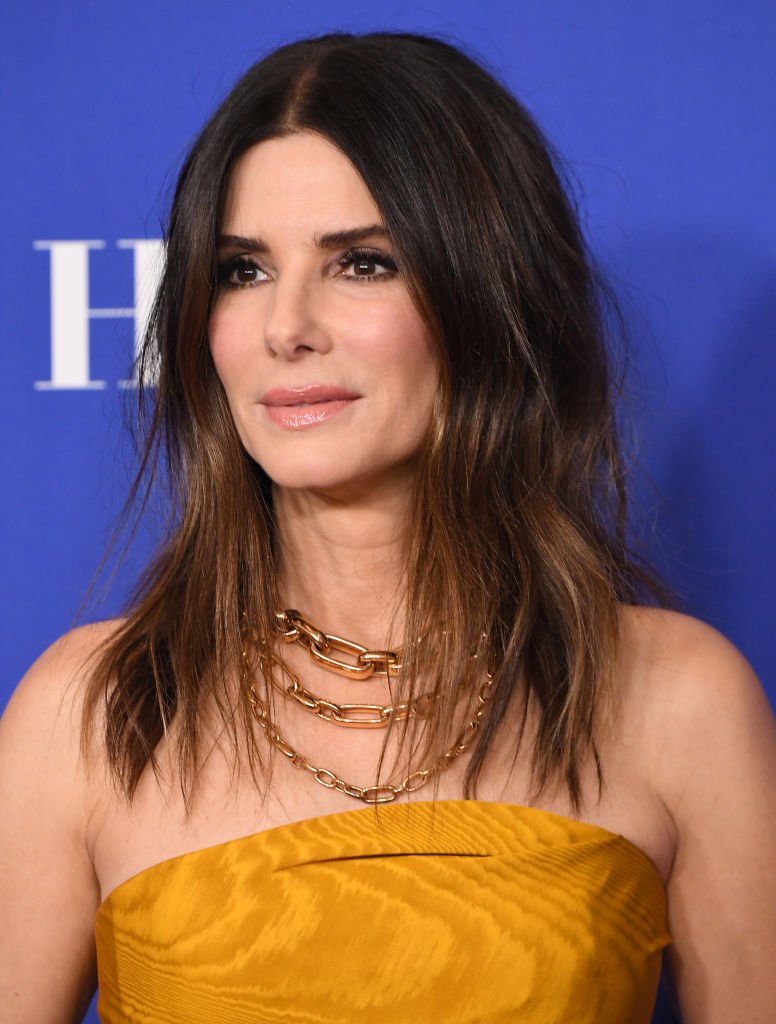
[[301, 407]]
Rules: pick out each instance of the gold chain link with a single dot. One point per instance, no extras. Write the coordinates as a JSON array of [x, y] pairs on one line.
[[292, 627]]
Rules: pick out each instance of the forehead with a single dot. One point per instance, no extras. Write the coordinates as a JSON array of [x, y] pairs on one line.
[[300, 181]]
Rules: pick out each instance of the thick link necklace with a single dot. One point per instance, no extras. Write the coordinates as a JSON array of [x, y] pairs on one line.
[[293, 628], [371, 716]]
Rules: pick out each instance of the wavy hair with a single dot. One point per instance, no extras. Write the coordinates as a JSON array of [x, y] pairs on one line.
[[519, 523]]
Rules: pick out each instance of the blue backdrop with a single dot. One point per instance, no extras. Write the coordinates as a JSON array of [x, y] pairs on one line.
[[665, 114]]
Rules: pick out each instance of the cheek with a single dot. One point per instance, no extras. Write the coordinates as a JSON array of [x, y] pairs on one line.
[[402, 349], [233, 356], [228, 347], [420, 372]]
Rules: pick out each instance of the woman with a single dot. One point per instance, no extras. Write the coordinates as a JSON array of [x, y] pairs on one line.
[[384, 401]]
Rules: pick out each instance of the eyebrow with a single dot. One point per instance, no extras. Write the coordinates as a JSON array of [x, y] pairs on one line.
[[329, 240]]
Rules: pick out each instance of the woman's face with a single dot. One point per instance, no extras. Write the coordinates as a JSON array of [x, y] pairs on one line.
[[328, 368]]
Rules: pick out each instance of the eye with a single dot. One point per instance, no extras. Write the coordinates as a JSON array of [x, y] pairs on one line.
[[367, 264], [240, 272]]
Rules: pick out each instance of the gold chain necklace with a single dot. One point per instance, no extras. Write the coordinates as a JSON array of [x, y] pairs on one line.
[[354, 716], [388, 663], [371, 794]]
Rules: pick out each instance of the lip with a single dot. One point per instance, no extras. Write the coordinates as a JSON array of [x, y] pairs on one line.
[[307, 394], [301, 407]]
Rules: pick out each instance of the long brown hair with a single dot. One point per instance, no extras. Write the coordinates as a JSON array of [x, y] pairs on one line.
[[519, 528]]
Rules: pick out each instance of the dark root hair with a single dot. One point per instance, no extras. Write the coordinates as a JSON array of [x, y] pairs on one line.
[[520, 513]]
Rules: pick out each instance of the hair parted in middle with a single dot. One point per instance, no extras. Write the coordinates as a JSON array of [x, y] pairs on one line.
[[518, 528]]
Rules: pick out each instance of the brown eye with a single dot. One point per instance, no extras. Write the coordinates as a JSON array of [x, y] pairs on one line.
[[367, 265], [365, 268], [244, 273], [240, 272]]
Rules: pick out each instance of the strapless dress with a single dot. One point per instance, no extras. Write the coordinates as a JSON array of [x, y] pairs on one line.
[[447, 912]]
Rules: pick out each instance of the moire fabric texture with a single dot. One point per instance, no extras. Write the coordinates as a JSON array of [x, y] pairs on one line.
[[422, 913]]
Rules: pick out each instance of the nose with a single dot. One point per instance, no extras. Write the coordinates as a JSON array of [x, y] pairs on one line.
[[293, 325]]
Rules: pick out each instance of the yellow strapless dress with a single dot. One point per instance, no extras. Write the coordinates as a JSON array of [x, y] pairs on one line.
[[427, 913]]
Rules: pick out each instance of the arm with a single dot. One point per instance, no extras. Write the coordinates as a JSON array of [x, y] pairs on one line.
[[48, 889], [714, 749]]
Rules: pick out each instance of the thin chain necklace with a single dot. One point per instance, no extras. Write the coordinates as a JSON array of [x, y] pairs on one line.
[[366, 794]]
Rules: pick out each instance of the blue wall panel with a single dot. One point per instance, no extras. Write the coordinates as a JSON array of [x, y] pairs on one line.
[[665, 114]]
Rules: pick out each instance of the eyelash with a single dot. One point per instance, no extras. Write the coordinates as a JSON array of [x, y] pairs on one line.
[[380, 259], [233, 264]]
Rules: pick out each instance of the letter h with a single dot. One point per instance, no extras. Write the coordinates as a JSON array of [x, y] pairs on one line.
[[71, 313]]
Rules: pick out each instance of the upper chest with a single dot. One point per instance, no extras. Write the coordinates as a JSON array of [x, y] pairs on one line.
[[125, 839]]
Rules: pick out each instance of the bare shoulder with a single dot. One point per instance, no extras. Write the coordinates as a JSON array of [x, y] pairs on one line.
[[680, 646], [707, 734], [695, 709], [684, 674], [48, 888], [62, 668], [47, 704], [40, 729]]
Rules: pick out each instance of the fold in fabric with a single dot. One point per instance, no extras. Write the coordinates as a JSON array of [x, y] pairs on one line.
[[448, 912]]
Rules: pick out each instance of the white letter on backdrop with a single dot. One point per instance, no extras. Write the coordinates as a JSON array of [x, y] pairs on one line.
[[71, 313]]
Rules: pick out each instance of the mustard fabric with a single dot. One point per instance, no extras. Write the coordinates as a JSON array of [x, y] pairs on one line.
[[448, 912]]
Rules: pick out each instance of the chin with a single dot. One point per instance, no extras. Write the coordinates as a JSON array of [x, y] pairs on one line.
[[309, 475], [336, 480]]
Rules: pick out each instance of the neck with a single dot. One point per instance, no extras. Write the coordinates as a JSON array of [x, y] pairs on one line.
[[341, 563]]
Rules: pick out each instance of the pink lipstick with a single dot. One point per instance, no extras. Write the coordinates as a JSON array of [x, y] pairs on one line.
[[300, 407]]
